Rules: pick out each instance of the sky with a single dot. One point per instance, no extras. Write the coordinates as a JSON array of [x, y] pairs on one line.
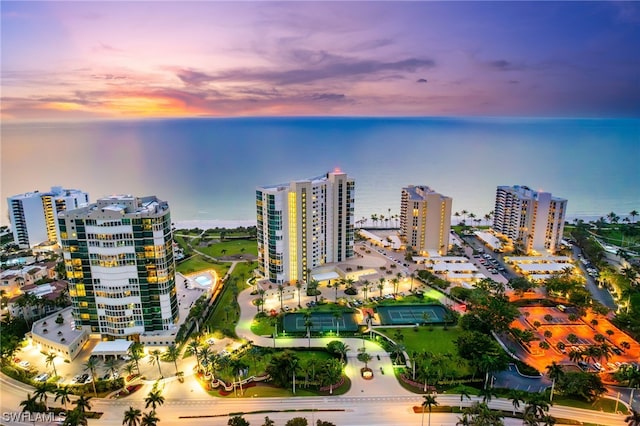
[[65, 60]]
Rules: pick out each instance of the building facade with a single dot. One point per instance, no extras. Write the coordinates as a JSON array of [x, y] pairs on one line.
[[425, 220], [119, 262], [303, 225], [33, 215], [532, 220]]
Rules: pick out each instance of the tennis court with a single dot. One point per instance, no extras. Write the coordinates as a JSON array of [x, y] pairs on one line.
[[411, 314], [322, 321]]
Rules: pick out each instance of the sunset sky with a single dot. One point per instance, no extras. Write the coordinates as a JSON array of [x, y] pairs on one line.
[[82, 60]]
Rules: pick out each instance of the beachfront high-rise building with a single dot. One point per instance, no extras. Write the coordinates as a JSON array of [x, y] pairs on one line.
[[33, 215], [118, 255], [532, 220], [303, 225], [425, 220]]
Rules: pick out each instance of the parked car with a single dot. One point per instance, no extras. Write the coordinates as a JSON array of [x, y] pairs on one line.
[[210, 341], [24, 364], [41, 377]]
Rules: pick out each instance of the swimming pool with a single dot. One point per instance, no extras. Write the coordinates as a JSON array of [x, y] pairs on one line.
[[203, 280]]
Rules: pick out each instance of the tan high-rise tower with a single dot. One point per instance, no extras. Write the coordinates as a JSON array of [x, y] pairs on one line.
[[425, 220]]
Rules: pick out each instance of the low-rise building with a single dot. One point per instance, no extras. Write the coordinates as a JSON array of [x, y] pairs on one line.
[[58, 333]]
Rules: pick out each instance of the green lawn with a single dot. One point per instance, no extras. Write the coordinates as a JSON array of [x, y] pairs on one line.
[[262, 326], [601, 404], [266, 391], [436, 341], [224, 316], [230, 248], [196, 263]]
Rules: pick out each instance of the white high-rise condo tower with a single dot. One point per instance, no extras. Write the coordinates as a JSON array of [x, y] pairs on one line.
[[304, 224], [532, 220], [33, 215]]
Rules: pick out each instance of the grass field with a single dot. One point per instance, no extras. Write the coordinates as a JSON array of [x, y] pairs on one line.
[[198, 263], [601, 404], [225, 315], [436, 341], [262, 326], [231, 248]]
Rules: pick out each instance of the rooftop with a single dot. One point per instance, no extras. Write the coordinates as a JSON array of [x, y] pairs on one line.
[[64, 333]]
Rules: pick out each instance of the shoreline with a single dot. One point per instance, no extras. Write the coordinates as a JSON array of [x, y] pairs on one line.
[[205, 224]]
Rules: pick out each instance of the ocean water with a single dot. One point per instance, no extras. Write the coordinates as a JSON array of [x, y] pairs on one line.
[[208, 169]]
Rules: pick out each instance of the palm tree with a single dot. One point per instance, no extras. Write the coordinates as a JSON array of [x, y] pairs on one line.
[[261, 293], [41, 393], [82, 404], [381, 285], [633, 419], [171, 355], [150, 419], [112, 365], [132, 417], [75, 417], [280, 291], [575, 355], [339, 348], [331, 373], [154, 399], [537, 405], [193, 348], [429, 402], [464, 214], [516, 398], [62, 393], [154, 359], [299, 286], [633, 214], [554, 371], [91, 365], [365, 289], [396, 283], [50, 362], [337, 285], [338, 316], [237, 368], [313, 285], [308, 324], [213, 363], [487, 393], [464, 393], [31, 405], [364, 357], [135, 352], [412, 276]]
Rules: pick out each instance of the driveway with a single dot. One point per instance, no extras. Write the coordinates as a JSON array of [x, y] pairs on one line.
[[512, 379]]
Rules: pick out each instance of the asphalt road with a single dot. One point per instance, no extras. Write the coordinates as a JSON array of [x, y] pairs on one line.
[[346, 411], [602, 295]]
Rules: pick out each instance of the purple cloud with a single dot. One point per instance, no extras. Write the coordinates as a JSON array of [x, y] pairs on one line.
[[194, 78]]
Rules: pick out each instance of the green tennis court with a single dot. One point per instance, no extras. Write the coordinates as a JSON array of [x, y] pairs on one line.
[[411, 314], [295, 323]]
